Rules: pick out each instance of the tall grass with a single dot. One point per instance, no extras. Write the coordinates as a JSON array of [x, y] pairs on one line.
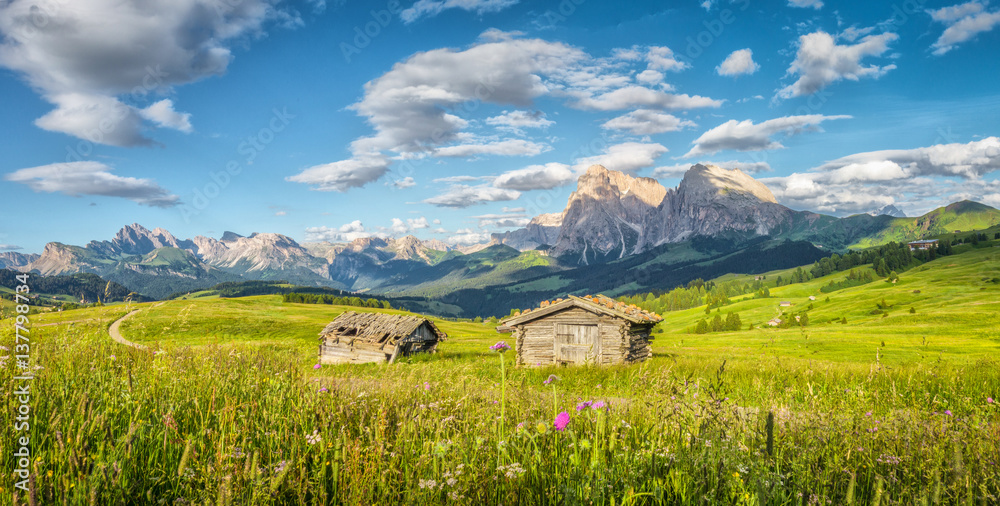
[[257, 425]]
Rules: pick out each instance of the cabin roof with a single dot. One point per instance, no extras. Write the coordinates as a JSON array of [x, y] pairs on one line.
[[378, 327], [599, 304]]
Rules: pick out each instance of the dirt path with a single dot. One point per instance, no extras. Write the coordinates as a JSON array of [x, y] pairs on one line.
[[116, 334]]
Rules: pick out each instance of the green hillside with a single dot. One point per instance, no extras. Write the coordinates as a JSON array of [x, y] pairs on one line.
[[961, 216]]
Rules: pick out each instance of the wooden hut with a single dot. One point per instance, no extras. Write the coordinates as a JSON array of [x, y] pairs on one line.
[[582, 330], [376, 337]]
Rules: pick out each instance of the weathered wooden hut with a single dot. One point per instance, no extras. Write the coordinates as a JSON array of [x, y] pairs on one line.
[[376, 337], [582, 330]]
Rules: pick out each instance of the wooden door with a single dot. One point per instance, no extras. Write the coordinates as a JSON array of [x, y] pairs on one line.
[[577, 343]]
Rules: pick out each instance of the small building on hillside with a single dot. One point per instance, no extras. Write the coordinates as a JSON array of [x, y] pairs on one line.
[[774, 322], [376, 337], [812, 297], [582, 330], [923, 244], [785, 303]]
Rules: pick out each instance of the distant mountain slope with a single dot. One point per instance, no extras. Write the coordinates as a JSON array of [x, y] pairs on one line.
[[960, 216]]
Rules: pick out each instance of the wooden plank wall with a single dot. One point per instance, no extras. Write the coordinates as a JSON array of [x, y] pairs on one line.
[[536, 339]]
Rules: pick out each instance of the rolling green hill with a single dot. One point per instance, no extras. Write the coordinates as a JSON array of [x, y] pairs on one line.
[[961, 216]]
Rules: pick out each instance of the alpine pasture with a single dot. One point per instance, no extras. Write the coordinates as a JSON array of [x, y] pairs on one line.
[[227, 406]]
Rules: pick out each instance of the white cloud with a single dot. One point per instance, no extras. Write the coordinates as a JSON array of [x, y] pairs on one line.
[[431, 8], [815, 4], [638, 96], [738, 62], [86, 56], [92, 178], [536, 177], [517, 121], [662, 58], [924, 178], [469, 236], [399, 226], [162, 113], [281, 213], [509, 147], [963, 22], [460, 196], [746, 136], [345, 233], [10, 247], [406, 182], [647, 122], [505, 220], [649, 77], [343, 175], [627, 157], [820, 61]]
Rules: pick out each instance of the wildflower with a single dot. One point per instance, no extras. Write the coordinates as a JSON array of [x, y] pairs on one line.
[[112, 357], [520, 427], [280, 467], [541, 428], [314, 437], [562, 420], [583, 405], [427, 386], [501, 346], [989, 400], [428, 484], [947, 412], [868, 413], [317, 366], [324, 389], [550, 379], [599, 405]]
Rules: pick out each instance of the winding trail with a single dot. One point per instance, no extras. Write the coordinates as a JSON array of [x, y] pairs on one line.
[[116, 334]]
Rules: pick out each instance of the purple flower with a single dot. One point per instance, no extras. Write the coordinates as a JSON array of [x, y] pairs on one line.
[[947, 412], [583, 405], [427, 386], [562, 420], [317, 366], [599, 405], [501, 346], [550, 379], [323, 390], [868, 413]]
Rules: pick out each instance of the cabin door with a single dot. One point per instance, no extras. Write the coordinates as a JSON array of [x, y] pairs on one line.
[[577, 343]]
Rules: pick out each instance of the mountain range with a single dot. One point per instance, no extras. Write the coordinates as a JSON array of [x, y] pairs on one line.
[[613, 222]]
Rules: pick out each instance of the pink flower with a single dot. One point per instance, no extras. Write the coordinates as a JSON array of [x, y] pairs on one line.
[[599, 405], [323, 389], [550, 379], [989, 400], [583, 405], [317, 366], [501, 346], [427, 386], [947, 412], [562, 420], [868, 413]]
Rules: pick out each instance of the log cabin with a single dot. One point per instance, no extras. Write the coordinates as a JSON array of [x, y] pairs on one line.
[[376, 337], [581, 330]]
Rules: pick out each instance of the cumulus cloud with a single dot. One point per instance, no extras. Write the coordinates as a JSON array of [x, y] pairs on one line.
[[815, 4], [662, 58], [504, 220], [747, 136], [400, 226], [517, 121], [469, 236], [647, 122], [345, 174], [92, 178], [10, 247], [509, 147], [927, 176], [637, 96], [461, 196], [649, 77], [431, 8], [536, 177], [962, 23], [820, 61], [345, 233], [739, 62], [86, 56], [415, 108], [406, 182], [627, 157]]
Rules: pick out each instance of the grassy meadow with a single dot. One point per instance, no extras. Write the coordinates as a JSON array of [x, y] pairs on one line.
[[226, 407]]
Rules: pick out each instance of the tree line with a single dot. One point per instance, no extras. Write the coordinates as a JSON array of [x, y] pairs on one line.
[[317, 298]]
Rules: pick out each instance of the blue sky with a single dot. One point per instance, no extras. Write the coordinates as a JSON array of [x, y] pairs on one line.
[[452, 119]]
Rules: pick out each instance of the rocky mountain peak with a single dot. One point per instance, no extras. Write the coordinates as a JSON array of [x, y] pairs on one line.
[[710, 182], [136, 239], [228, 236], [600, 183]]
